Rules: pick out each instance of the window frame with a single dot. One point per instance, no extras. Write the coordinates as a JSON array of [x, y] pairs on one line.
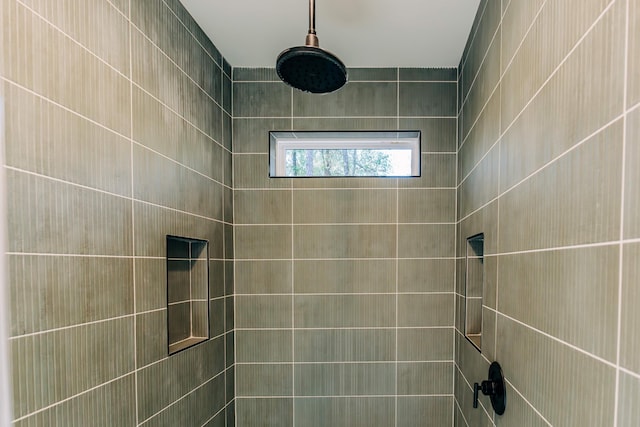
[[282, 141]]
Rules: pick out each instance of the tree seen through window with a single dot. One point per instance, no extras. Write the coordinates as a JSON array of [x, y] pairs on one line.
[[346, 162]]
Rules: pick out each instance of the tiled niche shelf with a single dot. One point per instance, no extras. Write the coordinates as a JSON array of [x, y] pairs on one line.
[[474, 284], [187, 292]]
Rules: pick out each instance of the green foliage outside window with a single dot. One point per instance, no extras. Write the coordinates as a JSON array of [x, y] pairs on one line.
[[343, 162]]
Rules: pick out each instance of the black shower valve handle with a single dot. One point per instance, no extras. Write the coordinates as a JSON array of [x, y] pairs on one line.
[[488, 388], [491, 388], [476, 387], [494, 387]]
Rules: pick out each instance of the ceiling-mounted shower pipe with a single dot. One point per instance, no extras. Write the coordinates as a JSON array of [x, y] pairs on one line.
[[309, 68], [312, 39]]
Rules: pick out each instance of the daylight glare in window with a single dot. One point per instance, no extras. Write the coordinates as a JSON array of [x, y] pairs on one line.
[[345, 154]]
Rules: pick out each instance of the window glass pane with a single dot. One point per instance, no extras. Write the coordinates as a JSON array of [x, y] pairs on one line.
[[344, 154], [348, 162]]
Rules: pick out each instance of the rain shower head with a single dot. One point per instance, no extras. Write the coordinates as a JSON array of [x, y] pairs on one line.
[[309, 68]]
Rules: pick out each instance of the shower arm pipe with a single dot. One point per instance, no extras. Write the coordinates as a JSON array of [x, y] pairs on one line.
[[312, 16], [312, 39]]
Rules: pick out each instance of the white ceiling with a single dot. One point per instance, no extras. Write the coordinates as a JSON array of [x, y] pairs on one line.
[[362, 33]]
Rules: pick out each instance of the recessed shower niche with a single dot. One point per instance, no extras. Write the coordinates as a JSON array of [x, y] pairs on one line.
[[474, 284], [187, 292]]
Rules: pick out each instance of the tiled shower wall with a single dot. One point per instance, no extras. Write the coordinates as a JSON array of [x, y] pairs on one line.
[[344, 287], [5, 390], [548, 169], [117, 134]]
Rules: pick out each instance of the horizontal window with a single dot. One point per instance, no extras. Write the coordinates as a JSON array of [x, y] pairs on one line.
[[344, 154]]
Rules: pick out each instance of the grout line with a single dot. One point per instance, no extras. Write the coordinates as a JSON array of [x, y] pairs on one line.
[[396, 279], [84, 324], [544, 166], [357, 259], [482, 61], [629, 372], [8, 388], [123, 136], [453, 404], [80, 255], [508, 2], [195, 38], [184, 396], [456, 403], [89, 390], [556, 70], [130, 77], [223, 197], [74, 184], [133, 210], [193, 300], [347, 362], [347, 224], [228, 364], [391, 117], [623, 172], [68, 36], [528, 403], [235, 273], [344, 396], [231, 402], [455, 243], [459, 121], [486, 412], [477, 119], [180, 211], [556, 339], [473, 36], [549, 162], [178, 114], [121, 13], [499, 142], [549, 78], [523, 252], [65, 108], [345, 328], [69, 327], [524, 38], [117, 133], [388, 188], [183, 72], [560, 248], [100, 256], [466, 381], [305, 294], [93, 322], [216, 414], [293, 305]]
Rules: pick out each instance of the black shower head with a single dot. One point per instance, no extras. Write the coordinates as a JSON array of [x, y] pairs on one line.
[[311, 69]]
